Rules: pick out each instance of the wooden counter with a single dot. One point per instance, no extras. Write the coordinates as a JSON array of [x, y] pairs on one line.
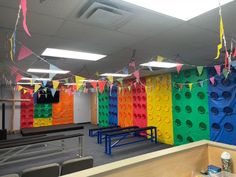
[[178, 161]]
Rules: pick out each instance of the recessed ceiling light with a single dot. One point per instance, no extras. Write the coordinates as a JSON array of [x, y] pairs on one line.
[[72, 54], [27, 83], [35, 70], [36, 79], [160, 64], [115, 75], [181, 9]]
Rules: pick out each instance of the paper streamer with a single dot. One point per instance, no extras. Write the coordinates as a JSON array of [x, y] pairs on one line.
[[212, 79], [218, 69], [24, 53], [200, 70], [24, 12], [220, 45], [55, 84]]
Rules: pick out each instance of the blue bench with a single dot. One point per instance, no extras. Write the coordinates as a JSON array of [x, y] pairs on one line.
[[121, 135], [101, 133], [93, 131]]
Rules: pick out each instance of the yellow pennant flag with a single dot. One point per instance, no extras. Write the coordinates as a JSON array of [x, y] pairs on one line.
[[220, 45], [120, 89], [36, 87], [79, 79], [190, 85], [11, 46], [97, 74], [160, 58], [55, 84], [78, 85], [31, 81], [25, 91], [20, 88], [129, 88], [110, 78]]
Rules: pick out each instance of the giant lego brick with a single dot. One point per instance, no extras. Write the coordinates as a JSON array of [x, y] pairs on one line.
[[27, 111], [103, 108], [113, 106]]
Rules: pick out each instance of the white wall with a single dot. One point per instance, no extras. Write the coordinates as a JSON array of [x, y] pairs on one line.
[[82, 108]]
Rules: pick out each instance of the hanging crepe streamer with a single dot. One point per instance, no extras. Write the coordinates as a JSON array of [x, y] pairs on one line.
[[24, 13], [220, 45]]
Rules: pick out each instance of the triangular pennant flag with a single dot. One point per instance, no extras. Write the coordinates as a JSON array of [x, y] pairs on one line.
[[226, 59], [110, 78], [190, 85], [101, 85], [179, 67], [126, 70], [119, 89], [234, 53], [36, 87], [201, 83], [132, 64], [220, 45], [45, 83], [13, 70], [212, 79], [199, 70], [79, 79], [24, 91], [137, 75], [180, 86], [19, 87], [129, 88], [66, 80], [45, 90], [120, 80], [225, 73], [24, 13], [160, 58], [111, 86], [55, 84], [53, 91], [24, 53], [18, 77], [30, 91], [78, 85], [54, 68], [218, 69], [94, 84]]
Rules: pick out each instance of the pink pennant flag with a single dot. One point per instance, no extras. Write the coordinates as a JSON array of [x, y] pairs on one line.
[[111, 85], [24, 12], [212, 79], [218, 69], [234, 53], [101, 85], [24, 52], [13, 70], [136, 75], [179, 67], [18, 77], [132, 64]]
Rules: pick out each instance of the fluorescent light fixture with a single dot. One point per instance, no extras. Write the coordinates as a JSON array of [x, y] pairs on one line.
[[26, 83], [181, 9], [36, 79], [52, 52], [157, 64], [35, 70], [115, 75]]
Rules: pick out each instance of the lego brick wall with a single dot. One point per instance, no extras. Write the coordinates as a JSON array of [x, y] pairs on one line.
[[103, 108], [222, 106], [113, 106], [190, 108], [27, 111]]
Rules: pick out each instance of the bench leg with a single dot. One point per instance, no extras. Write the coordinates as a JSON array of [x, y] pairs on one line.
[[106, 144], [152, 135], [155, 131], [109, 145]]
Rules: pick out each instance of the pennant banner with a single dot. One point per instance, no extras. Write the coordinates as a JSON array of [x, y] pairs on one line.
[[55, 84], [53, 91], [19, 87], [200, 70], [132, 64], [137, 75], [225, 73], [160, 58], [52, 67], [218, 69], [45, 83], [212, 79], [24, 13], [125, 70], [24, 91], [94, 84], [190, 85], [129, 88], [201, 83], [110, 78], [24, 53]]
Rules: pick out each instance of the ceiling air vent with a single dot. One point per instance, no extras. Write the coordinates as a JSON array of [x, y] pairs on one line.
[[105, 15]]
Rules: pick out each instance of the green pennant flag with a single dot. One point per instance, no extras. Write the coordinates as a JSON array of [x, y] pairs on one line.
[[120, 80], [200, 70], [66, 80], [225, 73]]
